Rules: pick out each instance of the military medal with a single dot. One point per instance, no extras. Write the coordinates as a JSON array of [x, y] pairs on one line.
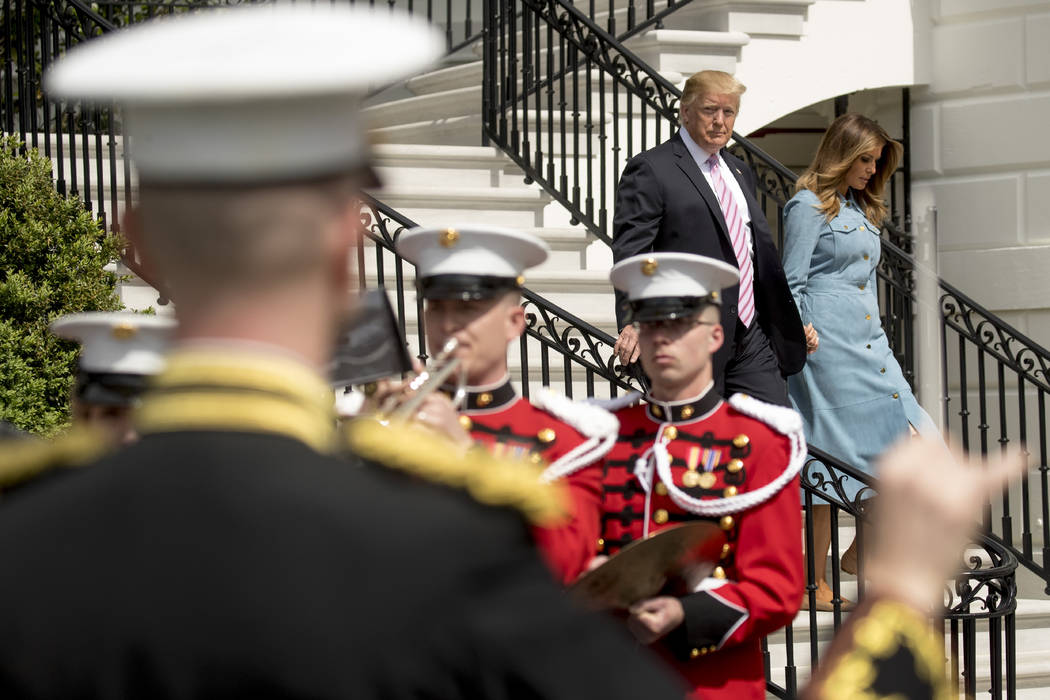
[[706, 480], [691, 479]]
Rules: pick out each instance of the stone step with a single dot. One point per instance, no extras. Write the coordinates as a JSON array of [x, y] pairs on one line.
[[768, 18], [516, 207], [447, 78], [678, 53]]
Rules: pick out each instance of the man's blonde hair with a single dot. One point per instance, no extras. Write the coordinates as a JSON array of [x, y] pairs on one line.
[[710, 82]]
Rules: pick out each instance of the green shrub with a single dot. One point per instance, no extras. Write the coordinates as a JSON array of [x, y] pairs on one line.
[[52, 254]]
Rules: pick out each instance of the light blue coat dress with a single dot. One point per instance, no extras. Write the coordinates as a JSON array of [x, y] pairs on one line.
[[852, 395]]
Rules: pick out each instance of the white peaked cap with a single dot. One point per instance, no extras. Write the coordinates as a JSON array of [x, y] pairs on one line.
[[662, 275], [472, 251], [249, 94], [117, 342]]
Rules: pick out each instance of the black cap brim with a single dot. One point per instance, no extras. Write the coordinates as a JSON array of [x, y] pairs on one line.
[[109, 389], [667, 308], [466, 287]]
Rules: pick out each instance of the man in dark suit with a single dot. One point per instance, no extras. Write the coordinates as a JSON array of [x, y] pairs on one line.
[[690, 195], [230, 552]]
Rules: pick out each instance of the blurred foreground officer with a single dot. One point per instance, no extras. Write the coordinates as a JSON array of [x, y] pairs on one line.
[[471, 279], [687, 454], [119, 353], [224, 554]]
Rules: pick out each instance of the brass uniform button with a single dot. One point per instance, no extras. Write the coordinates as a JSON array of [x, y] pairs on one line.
[[601, 544], [726, 549], [882, 371], [896, 395], [661, 490], [861, 287], [671, 432], [719, 572], [690, 479], [660, 516], [484, 399], [727, 522], [730, 491], [449, 237], [687, 412], [465, 422], [704, 650], [694, 653], [865, 256], [867, 317], [649, 267], [546, 436], [734, 466], [741, 441], [707, 480]]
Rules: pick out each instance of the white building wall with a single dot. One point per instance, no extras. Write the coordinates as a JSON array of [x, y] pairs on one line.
[[981, 154]]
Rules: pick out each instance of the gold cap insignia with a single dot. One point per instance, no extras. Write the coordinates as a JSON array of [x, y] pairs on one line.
[[520, 280], [449, 237], [124, 331], [649, 267]]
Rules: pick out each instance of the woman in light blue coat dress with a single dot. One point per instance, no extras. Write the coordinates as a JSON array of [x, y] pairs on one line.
[[852, 395]]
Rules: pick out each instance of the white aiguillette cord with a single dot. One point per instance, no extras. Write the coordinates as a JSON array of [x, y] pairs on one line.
[[643, 470]]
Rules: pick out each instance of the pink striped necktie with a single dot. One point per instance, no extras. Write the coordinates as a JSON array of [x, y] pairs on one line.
[[738, 236]]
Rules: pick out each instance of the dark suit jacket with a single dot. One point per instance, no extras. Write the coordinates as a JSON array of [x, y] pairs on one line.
[[664, 204], [218, 564]]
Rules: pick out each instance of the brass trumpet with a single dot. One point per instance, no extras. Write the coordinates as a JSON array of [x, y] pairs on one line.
[[402, 407]]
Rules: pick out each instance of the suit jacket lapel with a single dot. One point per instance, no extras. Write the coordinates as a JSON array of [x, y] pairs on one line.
[[692, 171]]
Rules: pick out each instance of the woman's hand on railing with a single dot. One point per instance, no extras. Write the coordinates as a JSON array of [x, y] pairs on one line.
[[812, 339], [928, 507]]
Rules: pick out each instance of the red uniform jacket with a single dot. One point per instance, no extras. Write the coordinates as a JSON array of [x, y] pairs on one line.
[[512, 426], [723, 458]]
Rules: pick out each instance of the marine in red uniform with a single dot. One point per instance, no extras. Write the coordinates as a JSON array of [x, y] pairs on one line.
[[482, 313], [688, 454]]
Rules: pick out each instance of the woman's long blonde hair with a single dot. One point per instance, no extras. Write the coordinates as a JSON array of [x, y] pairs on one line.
[[848, 137]]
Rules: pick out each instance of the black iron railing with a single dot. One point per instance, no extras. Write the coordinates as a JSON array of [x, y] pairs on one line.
[[459, 19], [568, 104], [984, 592]]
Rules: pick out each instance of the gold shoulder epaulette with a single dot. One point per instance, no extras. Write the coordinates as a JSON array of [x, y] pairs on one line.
[[888, 627], [489, 479], [22, 460]]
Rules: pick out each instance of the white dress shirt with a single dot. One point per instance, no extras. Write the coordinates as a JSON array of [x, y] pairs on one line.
[[728, 176]]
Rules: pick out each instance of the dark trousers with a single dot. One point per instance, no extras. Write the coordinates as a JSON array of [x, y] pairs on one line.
[[753, 369]]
